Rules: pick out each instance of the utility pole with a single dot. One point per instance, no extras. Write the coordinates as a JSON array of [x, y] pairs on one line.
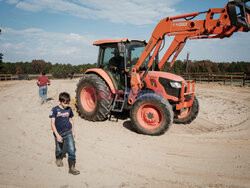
[[187, 61], [1, 55]]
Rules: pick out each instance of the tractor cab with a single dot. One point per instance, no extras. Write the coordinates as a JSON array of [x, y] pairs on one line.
[[117, 57]]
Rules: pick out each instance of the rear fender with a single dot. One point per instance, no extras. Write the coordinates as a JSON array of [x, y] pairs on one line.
[[103, 75]]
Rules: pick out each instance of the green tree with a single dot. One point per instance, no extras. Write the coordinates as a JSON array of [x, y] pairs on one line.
[[9, 68], [61, 70], [27, 68], [178, 67], [1, 62], [222, 67], [1, 57]]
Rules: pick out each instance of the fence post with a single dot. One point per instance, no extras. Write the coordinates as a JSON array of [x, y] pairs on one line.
[[208, 78], [224, 78], [244, 79]]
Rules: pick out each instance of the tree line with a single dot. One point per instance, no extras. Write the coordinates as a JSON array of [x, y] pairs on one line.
[[207, 66], [60, 70], [39, 66]]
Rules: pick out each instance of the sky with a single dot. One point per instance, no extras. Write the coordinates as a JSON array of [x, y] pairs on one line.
[[63, 31]]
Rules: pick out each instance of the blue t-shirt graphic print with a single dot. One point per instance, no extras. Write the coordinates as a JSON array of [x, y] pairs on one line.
[[62, 116]]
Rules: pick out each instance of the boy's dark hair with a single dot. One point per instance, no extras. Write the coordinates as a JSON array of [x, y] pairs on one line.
[[64, 97], [43, 73]]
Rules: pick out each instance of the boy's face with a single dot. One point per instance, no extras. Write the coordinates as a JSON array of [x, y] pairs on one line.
[[65, 104]]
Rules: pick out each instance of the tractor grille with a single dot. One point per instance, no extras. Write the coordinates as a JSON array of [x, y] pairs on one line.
[[168, 88]]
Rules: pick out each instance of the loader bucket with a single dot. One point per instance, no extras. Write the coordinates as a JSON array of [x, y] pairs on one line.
[[239, 13]]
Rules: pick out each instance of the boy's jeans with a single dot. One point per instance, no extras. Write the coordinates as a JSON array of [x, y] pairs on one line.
[[68, 140], [43, 93]]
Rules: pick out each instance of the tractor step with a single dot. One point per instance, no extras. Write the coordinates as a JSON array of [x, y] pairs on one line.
[[118, 103]]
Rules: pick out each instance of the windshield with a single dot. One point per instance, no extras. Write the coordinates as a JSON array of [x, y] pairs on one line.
[[111, 56], [134, 51]]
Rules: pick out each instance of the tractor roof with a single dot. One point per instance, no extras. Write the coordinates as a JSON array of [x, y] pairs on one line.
[[108, 41]]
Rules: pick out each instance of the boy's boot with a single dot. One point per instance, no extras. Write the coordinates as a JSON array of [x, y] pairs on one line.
[[72, 169], [59, 161]]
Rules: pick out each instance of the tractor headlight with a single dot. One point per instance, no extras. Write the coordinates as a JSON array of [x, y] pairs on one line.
[[176, 85]]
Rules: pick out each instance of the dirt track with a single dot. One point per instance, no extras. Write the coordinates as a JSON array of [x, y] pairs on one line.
[[213, 151]]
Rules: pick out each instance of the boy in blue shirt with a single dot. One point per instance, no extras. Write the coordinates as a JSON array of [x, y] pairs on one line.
[[63, 129]]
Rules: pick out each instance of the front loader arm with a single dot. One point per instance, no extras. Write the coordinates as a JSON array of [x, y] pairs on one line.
[[228, 23]]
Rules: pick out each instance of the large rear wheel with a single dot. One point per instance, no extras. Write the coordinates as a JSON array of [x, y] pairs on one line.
[[151, 114], [187, 115], [93, 98]]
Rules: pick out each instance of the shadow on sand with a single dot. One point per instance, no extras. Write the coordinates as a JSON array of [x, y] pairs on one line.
[[128, 125], [50, 99], [125, 115]]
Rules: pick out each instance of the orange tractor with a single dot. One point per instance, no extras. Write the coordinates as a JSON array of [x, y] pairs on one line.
[[128, 75]]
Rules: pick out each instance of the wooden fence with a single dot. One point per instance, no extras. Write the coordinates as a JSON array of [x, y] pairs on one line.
[[8, 77], [77, 75], [239, 77], [5, 77], [236, 77]]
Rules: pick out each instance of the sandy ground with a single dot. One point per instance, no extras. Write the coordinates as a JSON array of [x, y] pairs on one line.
[[213, 151]]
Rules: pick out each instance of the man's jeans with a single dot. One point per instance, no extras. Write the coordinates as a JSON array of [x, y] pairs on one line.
[[68, 140], [43, 93]]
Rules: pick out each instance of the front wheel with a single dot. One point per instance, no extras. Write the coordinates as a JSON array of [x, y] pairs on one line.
[[187, 115], [151, 114]]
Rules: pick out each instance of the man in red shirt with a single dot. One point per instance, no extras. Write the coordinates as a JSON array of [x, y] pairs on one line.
[[42, 82]]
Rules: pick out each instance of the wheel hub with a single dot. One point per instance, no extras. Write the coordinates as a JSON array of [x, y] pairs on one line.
[[88, 99], [150, 115]]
